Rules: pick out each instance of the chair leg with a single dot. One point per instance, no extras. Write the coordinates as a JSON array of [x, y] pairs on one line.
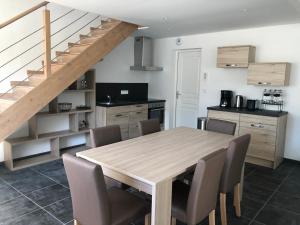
[[237, 199], [212, 218], [173, 221], [148, 219], [76, 222], [223, 208]]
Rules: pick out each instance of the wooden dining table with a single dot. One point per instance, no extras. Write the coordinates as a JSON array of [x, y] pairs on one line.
[[150, 163]]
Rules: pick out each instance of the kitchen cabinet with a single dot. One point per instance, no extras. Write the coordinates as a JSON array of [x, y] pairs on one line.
[[126, 116], [227, 116], [269, 74], [235, 56], [267, 135]]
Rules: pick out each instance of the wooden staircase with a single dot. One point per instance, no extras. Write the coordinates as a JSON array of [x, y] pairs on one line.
[[31, 95]]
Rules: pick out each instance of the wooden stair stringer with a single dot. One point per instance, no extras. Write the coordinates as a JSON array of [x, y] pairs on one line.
[[31, 103]]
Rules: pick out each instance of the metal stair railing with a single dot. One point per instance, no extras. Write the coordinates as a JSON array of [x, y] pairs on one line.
[[46, 68]]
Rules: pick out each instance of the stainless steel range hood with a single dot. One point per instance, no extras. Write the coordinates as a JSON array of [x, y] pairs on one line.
[[143, 55]]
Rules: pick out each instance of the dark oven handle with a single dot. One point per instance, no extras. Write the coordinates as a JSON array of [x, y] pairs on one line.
[[157, 109]]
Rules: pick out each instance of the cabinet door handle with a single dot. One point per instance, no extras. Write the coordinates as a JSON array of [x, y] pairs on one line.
[[118, 115], [138, 106], [139, 112], [264, 83], [259, 125], [231, 65]]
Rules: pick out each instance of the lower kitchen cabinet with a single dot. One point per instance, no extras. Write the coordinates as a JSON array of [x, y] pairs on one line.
[[267, 135], [125, 116]]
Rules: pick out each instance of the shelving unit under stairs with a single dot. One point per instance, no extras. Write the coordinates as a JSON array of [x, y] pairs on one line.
[[43, 126]]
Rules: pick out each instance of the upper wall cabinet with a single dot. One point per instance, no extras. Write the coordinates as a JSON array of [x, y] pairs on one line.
[[235, 56], [269, 74]]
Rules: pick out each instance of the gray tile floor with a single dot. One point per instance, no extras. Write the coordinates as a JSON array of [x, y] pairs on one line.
[[40, 196]]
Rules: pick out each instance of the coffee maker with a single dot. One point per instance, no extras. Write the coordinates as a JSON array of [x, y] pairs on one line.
[[226, 99]]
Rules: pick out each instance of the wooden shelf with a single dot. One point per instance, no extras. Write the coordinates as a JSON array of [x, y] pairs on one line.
[[74, 150], [34, 160], [75, 116], [50, 135], [20, 140], [73, 111], [63, 133]]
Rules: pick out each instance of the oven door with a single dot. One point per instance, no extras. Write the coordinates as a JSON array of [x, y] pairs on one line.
[[157, 113]]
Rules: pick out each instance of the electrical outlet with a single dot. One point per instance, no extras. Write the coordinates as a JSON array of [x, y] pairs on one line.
[[124, 92]]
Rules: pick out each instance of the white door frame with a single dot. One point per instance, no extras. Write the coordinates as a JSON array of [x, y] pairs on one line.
[[176, 79]]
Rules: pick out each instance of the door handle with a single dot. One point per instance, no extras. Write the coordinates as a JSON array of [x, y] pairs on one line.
[[177, 94]]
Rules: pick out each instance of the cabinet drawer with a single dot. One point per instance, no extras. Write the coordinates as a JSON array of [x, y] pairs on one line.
[[254, 119], [262, 151], [134, 131], [120, 118], [259, 136], [124, 134], [117, 109], [235, 117], [137, 116], [139, 107]]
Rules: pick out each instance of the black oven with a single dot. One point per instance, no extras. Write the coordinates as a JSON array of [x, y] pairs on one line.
[[156, 110]]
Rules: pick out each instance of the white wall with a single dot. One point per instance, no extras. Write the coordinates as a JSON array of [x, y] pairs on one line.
[[277, 43], [115, 66]]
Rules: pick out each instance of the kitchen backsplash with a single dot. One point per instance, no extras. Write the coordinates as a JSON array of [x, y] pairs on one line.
[[121, 91]]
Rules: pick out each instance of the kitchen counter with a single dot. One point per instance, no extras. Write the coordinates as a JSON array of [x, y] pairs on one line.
[[259, 112], [124, 103]]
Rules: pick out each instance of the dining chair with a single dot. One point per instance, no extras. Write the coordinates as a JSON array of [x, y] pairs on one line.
[[149, 126], [221, 126], [104, 136], [232, 172], [101, 136], [93, 204], [192, 204]]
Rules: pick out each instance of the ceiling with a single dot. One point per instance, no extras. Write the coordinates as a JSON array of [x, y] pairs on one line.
[[167, 18]]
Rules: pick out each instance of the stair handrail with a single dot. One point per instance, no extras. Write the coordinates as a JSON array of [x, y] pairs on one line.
[[43, 67], [25, 13]]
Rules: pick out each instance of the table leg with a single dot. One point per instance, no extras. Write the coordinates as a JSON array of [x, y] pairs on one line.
[[161, 203]]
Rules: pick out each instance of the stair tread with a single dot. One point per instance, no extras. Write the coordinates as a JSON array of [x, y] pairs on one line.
[[58, 53], [90, 37], [35, 72], [77, 44], [9, 95]]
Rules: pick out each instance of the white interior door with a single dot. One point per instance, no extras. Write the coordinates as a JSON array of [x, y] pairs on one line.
[[187, 88]]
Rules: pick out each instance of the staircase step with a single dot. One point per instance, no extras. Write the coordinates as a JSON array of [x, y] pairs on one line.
[[20, 83], [85, 39], [36, 79], [5, 103], [95, 31], [64, 57], [20, 91], [108, 24], [32, 72], [55, 66], [8, 96], [77, 48]]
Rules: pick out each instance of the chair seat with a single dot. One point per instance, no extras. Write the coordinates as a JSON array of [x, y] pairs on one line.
[[180, 194], [126, 207]]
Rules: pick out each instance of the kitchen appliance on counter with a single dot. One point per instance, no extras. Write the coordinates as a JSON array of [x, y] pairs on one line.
[[156, 110], [239, 102], [252, 104], [226, 98]]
